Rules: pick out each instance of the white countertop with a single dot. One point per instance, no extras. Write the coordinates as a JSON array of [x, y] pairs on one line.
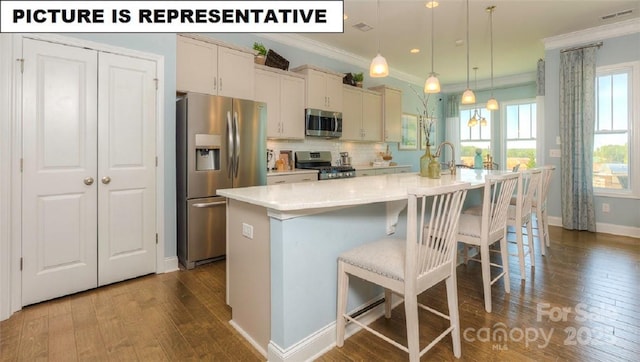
[[347, 191]]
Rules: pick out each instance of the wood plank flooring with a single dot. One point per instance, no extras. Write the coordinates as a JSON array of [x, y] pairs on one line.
[[582, 302]]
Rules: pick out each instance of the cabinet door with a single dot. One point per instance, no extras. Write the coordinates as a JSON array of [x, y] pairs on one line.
[[291, 178], [292, 107], [385, 171], [235, 73], [316, 90], [196, 66], [392, 117], [126, 179], [59, 186], [334, 92], [352, 114], [268, 91], [368, 172], [372, 116]]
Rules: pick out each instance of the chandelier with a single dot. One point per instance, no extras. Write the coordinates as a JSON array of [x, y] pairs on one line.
[[476, 117]]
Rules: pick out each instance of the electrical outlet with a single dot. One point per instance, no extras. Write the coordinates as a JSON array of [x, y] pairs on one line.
[[605, 207], [247, 230], [555, 152]]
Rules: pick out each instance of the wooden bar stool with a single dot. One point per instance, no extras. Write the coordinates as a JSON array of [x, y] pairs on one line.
[[410, 266], [486, 225]]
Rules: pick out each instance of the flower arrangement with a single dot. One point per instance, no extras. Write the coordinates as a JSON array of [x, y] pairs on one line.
[[425, 116]]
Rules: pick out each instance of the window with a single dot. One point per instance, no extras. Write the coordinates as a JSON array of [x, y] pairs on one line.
[[612, 144], [475, 137], [520, 119]]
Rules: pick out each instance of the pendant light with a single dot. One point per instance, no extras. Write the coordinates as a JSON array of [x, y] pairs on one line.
[[432, 85], [379, 67], [468, 97], [492, 103]]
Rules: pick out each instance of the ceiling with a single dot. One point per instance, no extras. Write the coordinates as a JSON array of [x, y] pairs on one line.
[[519, 26]]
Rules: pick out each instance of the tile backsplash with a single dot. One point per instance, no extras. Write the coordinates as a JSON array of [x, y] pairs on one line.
[[360, 153]]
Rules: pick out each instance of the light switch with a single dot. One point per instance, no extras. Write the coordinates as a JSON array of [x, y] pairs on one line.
[[555, 152], [558, 141]]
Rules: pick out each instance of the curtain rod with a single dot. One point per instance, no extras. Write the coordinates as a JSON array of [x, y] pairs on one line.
[[598, 44]]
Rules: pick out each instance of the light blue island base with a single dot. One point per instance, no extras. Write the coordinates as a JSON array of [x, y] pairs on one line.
[[283, 242], [297, 258]]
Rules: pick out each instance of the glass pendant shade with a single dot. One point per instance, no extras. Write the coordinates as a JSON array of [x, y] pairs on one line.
[[432, 85], [472, 121], [492, 104], [483, 122], [379, 67], [468, 97]]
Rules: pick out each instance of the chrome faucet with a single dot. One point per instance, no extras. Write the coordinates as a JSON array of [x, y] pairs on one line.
[[452, 163]]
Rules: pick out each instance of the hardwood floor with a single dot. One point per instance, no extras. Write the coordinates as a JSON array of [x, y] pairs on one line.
[[582, 302]]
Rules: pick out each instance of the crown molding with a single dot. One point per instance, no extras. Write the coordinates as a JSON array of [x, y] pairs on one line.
[[485, 84], [325, 50], [608, 31]]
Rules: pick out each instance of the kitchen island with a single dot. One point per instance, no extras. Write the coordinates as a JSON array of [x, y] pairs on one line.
[[282, 247]]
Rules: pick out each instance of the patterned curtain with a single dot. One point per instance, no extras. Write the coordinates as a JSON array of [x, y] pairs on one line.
[[577, 117]]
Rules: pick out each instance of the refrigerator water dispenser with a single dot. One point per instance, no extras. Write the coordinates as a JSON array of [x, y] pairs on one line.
[[207, 159], [208, 152]]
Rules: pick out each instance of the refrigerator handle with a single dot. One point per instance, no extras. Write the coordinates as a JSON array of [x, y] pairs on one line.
[[237, 143], [230, 148]]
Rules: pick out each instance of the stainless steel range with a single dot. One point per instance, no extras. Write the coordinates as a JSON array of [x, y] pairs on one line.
[[321, 161]]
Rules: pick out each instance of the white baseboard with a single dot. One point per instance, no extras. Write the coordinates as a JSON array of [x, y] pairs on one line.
[[324, 339], [171, 264], [614, 229], [246, 336]]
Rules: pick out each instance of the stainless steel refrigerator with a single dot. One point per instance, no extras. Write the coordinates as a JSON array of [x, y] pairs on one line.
[[220, 143]]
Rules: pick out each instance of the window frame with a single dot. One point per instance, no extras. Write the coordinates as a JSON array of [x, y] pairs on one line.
[[535, 120], [481, 108], [633, 128]]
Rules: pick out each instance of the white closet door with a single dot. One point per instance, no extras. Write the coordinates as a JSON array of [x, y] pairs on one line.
[[59, 211], [126, 168]]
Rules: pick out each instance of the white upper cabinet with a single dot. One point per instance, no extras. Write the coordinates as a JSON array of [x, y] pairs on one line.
[[324, 89], [391, 112], [362, 115], [210, 68], [351, 113], [284, 95]]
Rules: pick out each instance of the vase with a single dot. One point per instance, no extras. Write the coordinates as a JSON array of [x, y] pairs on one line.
[[434, 168], [424, 162]]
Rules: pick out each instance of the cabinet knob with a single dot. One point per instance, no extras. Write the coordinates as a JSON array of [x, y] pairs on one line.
[[88, 181], [106, 180]]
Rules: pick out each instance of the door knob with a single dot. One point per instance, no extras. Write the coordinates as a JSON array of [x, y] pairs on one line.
[[88, 181], [106, 180]]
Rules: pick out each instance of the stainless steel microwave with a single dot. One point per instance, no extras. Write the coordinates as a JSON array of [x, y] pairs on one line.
[[323, 123]]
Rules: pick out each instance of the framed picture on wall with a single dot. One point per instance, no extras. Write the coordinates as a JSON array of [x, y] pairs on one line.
[[432, 123], [409, 132]]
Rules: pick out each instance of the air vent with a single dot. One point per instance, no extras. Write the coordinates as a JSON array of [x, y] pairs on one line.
[[615, 15], [363, 26]]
